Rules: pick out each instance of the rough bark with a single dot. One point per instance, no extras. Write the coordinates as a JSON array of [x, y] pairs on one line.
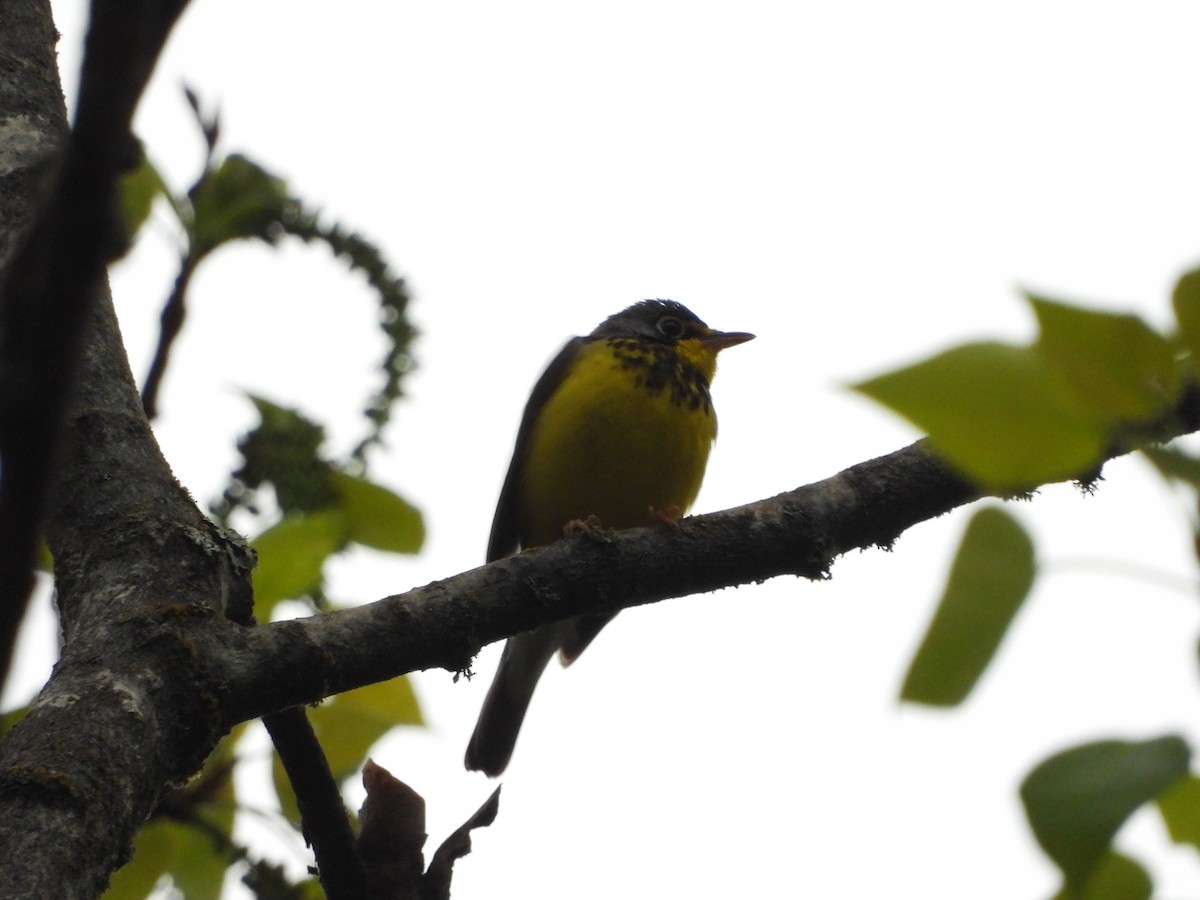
[[33, 117], [33, 130], [155, 665], [108, 733]]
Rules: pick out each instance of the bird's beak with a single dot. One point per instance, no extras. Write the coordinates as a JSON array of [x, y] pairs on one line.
[[719, 340]]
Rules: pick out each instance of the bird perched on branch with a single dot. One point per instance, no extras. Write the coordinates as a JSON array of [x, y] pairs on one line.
[[618, 430]]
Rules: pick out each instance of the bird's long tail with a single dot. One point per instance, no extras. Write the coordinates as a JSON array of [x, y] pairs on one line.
[[521, 665]]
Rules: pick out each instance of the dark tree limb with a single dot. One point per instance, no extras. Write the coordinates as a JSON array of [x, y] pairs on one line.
[[56, 272], [97, 749], [323, 816], [34, 119], [444, 624]]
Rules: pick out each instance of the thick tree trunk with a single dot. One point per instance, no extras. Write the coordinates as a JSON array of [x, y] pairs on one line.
[[33, 116], [120, 720]]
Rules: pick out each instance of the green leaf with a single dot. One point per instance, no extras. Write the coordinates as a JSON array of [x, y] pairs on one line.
[[1115, 363], [139, 189], [1174, 463], [201, 855], [1186, 301], [189, 855], [1116, 877], [999, 413], [379, 518], [310, 889], [292, 554], [171, 844], [280, 420], [45, 559], [198, 868], [284, 450], [153, 849], [1179, 806], [989, 580], [11, 717], [1077, 799], [348, 725], [239, 199]]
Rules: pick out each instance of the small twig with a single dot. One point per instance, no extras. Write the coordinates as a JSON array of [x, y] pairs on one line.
[[173, 314]]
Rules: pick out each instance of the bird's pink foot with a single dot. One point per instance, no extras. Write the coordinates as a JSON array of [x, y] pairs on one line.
[[582, 526], [669, 516]]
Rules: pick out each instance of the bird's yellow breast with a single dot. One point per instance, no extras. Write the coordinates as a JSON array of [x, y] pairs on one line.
[[629, 428]]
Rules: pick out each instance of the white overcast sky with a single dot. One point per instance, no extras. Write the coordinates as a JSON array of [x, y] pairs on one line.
[[859, 183]]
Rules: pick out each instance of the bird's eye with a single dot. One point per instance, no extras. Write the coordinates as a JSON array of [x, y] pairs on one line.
[[670, 327]]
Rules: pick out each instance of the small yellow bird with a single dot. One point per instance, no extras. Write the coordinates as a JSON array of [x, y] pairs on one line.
[[618, 429]]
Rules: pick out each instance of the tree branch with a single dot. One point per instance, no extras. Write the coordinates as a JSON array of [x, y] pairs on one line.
[[112, 729], [323, 816], [57, 271], [173, 314], [444, 624]]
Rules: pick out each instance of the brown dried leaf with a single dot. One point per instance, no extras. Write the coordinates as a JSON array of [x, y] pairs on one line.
[[391, 835]]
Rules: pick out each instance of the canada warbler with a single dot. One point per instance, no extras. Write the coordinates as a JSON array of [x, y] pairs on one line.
[[617, 429]]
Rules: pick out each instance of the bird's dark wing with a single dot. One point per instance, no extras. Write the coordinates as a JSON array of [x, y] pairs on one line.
[[505, 538]]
